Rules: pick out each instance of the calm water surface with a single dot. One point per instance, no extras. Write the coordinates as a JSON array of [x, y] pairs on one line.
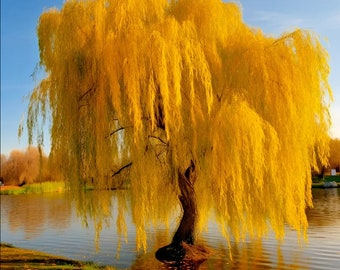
[[50, 223]]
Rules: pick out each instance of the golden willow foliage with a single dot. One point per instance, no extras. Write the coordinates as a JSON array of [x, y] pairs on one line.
[[156, 83]]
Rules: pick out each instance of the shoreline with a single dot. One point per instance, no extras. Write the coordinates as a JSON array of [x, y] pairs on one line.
[[19, 258]]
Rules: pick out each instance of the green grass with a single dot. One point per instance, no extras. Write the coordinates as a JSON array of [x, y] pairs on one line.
[[17, 258], [319, 182], [12, 191], [327, 178], [330, 178], [44, 187]]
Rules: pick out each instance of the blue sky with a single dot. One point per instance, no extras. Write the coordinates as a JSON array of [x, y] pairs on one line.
[[20, 55]]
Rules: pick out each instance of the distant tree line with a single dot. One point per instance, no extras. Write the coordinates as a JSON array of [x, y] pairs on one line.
[[32, 166], [25, 167]]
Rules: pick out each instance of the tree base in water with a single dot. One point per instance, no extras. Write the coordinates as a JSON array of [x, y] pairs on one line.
[[183, 255], [182, 252]]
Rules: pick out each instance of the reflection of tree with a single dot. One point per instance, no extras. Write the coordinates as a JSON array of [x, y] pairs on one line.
[[326, 209], [36, 213], [254, 254], [248, 255], [59, 213], [104, 208]]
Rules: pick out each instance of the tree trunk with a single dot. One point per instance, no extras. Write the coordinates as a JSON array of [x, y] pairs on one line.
[[321, 175], [185, 230], [182, 246]]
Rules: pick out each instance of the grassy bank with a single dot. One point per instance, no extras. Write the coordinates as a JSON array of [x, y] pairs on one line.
[[319, 182], [329, 178], [18, 258], [44, 187]]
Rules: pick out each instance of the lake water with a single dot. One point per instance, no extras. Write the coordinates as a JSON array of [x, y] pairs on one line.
[[49, 223]]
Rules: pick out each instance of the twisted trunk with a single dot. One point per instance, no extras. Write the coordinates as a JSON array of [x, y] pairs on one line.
[[187, 198], [182, 246]]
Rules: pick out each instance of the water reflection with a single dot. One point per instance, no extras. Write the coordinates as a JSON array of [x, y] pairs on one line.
[[33, 214], [250, 255], [32, 221], [326, 211]]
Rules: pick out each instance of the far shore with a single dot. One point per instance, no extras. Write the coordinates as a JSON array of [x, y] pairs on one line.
[[10, 188], [43, 187], [46, 187]]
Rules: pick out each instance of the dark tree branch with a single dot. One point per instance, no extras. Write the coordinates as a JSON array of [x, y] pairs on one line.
[[121, 169], [158, 156], [158, 138], [92, 88], [115, 131]]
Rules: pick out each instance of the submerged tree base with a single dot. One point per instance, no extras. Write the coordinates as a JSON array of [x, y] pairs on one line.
[[184, 255]]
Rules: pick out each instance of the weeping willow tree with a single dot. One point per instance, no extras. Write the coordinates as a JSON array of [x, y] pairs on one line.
[[193, 104]]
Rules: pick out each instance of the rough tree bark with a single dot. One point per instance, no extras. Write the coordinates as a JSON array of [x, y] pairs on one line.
[[185, 231], [182, 244]]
